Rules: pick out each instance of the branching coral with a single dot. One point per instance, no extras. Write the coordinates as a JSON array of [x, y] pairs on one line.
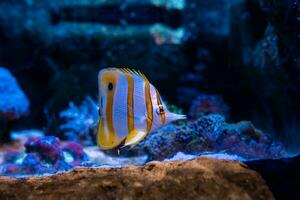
[[79, 121]]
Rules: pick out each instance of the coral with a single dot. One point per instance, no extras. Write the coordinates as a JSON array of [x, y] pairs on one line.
[[208, 134], [79, 121], [23, 135], [76, 153], [13, 101], [213, 17], [266, 52], [208, 104], [47, 147], [43, 155], [284, 17], [245, 140], [163, 35]]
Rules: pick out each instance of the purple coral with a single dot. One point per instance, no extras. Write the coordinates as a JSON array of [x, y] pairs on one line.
[[208, 104], [13, 101], [47, 147], [43, 155], [76, 152]]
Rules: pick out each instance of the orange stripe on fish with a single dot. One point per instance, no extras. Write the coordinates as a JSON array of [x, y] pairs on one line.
[[101, 135], [130, 99], [112, 82], [108, 138], [149, 106]]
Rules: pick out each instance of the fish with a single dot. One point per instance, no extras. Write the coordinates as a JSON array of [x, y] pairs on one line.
[[130, 107]]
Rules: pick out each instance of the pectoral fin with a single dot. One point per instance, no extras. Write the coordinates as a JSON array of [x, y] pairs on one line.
[[134, 137]]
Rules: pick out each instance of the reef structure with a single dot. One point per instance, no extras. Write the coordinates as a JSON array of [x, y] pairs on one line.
[[209, 134]]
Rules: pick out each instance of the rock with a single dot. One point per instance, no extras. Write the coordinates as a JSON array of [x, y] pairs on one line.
[[274, 170], [194, 179]]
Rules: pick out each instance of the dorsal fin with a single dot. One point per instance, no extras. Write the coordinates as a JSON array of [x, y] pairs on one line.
[[134, 72]]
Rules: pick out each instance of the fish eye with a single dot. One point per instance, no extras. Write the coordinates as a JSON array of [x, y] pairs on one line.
[[160, 110], [110, 86]]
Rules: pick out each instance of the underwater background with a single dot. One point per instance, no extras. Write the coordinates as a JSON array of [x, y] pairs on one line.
[[232, 66]]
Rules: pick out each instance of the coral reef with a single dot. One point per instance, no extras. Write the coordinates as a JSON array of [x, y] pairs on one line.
[[245, 52], [43, 155], [13, 101], [209, 134], [206, 104], [213, 17], [23, 135], [265, 50], [261, 35], [79, 121], [46, 155], [203, 178], [284, 17]]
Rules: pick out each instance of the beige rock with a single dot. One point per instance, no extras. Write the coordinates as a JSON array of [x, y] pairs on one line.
[[202, 178]]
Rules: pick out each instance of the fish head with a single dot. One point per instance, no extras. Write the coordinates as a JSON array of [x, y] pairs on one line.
[[162, 115], [107, 82]]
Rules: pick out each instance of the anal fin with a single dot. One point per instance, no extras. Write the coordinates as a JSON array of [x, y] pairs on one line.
[[134, 137]]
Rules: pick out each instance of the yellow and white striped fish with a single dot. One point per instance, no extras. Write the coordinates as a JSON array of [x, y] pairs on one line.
[[130, 108]]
